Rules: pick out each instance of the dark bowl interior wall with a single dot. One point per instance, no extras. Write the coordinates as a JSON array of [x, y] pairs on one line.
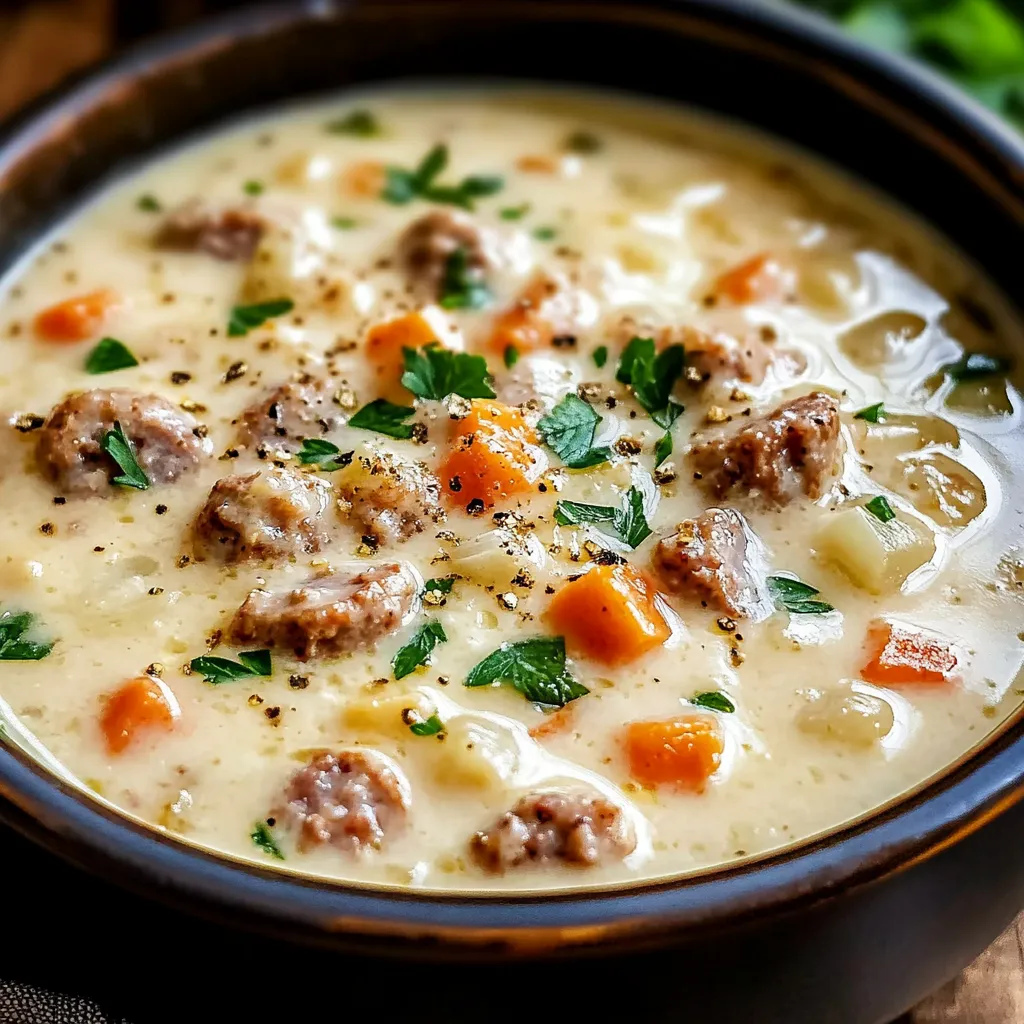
[[856, 929]]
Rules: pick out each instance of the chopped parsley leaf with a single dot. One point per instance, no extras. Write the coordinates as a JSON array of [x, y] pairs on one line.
[[872, 414], [663, 448], [545, 233], [600, 356], [315, 451], [535, 667], [796, 596], [344, 223], [148, 203], [435, 372], [13, 646], [569, 431], [121, 449], [385, 418], [223, 670], [264, 839], [652, 376], [247, 318], [439, 585], [583, 142], [428, 727], [418, 649], [975, 366], [628, 519], [463, 286], [109, 355], [515, 212], [714, 700], [511, 356], [254, 188], [361, 123], [880, 508], [401, 186]]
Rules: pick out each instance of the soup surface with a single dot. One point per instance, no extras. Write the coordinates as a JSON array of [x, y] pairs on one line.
[[503, 490]]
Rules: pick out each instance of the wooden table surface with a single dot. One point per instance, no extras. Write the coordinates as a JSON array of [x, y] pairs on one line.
[[44, 41]]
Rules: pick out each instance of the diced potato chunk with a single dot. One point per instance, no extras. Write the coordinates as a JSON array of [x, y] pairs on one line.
[[899, 433], [383, 716], [948, 493], [479, 752], [495, 558], [875, 555], [883, 339], [850, 716]]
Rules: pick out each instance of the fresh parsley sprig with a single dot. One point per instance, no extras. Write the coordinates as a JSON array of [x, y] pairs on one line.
[[13, 645], [872, 413], [250, 664], [439, 585], [628, 519], [535, 667], [880, 508], [121, 449], [325, 455], [435, 372], [463, 286], [796, 597], [569, 431], [401, 186], [431, 726], [384, 417], [652, 376], [714, 700], [977, 366], [362, 124], [244, 319], [264, 839], [109, 355], [418, 650]]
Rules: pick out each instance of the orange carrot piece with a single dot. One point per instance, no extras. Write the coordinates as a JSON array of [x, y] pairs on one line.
[[494, 456], [684, 751], [524, 326], [534, 164], [555, 722], [139, 705], [757, 280], [608, 614], [903, 654], [365, 179], [76, 319], [385, 341]]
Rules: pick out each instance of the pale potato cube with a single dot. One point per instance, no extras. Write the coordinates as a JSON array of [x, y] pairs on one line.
[[877, 556], [842, 713], [882, 340], [899, 433], [495, 558], [945, 491], [387, 716], [478, 753]]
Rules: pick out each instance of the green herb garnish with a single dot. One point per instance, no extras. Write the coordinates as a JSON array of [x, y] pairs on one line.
[[583, 142], [796, 597], [977, 365], [385, 418], [13, 646], [569, 431], [515, 212], [435, 372], [264, 839], [121, 449], [109, 355], [148, 203], [418, 649], [880, 508], [254, 188], [223, 670], [662, 449], [401, 186], [439, 585], [872, 414], [545, 233], [652, 376], [361, 123], [510, 356], [600, 356], [428, 727], [714, 700], [628, 519], [247, 318], [534, 667], [463, 286], [344, 223], [323, 454]]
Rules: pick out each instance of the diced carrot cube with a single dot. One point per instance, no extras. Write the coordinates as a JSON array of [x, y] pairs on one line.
[[905, 655], [385, 341], [554, 722], [365, 179], [77, 318], [608, 614], [759, 279], [532, 163], [138, 706], [525, 325], [684, 751], [495, 455]]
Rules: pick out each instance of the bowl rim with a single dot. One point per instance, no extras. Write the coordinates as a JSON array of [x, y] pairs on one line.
[[947, 807]]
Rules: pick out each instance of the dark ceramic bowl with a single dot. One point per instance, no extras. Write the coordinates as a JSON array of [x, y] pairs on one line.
[[853, 927]]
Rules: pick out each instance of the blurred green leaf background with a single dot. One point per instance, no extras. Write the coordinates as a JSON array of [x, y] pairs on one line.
[[978, 43]]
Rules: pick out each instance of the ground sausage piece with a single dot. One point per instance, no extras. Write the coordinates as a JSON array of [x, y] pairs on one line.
[[583, 828], [790, 451], [388, 499], [329, 614], [351, 800], [717, 559], [228, 233], [69, 451], [298, 409], [275, 513], [427, 244]]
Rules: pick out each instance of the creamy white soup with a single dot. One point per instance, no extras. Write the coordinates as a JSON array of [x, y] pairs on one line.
[[503, 490]]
